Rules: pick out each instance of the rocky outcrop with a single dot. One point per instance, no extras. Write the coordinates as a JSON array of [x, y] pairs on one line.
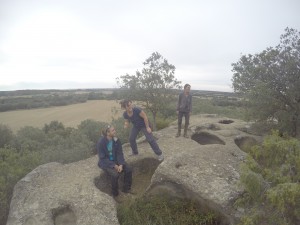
[[204, 167]]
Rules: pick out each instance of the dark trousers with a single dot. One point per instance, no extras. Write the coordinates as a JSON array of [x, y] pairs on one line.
[[114, 177], [149, 137], [186, 121]]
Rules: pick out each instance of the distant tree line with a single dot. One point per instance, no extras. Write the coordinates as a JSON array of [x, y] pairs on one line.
[[31, 99]]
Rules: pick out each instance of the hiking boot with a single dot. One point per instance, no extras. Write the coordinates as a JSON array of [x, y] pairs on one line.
[[186, 136], [177, 135], [129, 192], [160, 157], [133, 154], [117, 198]]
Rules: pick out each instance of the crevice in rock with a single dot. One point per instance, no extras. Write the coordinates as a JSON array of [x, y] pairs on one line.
[[245, 143], [209, 126], [205, 138], [226, 121], [174, 191], [64, 215]]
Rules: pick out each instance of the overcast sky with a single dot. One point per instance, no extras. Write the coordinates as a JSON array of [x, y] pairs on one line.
[[87, 44]]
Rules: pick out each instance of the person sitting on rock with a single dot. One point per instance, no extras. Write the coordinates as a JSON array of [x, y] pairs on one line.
[[111, 160]]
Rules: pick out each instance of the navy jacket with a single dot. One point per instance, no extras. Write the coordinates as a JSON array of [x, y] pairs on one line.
[[103, 153], [184, 103]]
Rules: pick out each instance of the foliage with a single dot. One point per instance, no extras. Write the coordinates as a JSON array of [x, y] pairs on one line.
[[162, 123], [153, 86], [270, 82], [6, 135], [122, 133], [92, 129], [72, 148], [30, 99], [206, 106], [162, 210], [29, 138], [13, 166], [270, 177]]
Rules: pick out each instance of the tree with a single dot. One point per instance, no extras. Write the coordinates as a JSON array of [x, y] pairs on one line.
[[270, 82], [154, 86]]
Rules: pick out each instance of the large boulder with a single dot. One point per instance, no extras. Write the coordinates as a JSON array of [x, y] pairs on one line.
[[204, 167]]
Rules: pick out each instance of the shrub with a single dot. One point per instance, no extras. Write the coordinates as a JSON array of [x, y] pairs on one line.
[[162, 210], [6, 135], [13, 166], [270, 177]]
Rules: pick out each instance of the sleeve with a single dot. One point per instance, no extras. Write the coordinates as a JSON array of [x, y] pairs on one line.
[[104, 161], [137, 110], [119, 153], [178, 103], [191, 105], [125, 115]]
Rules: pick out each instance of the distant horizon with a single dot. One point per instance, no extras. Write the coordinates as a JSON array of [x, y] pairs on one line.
[[89, 88], [95, 85]]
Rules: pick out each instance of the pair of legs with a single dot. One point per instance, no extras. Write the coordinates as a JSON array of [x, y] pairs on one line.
[[186, 116], [114, 177], [149, 136]]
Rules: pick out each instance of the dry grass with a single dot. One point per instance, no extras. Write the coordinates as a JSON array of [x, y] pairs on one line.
[[70, 116]]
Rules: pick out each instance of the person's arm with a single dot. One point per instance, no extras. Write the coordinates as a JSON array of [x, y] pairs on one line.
[[191, 105], [178, 103], [126, 123], [119, 155], [144, 116]]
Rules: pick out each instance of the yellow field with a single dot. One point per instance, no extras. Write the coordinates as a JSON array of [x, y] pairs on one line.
[[70, 116]]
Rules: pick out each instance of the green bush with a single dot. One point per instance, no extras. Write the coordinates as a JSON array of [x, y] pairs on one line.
[[285, 198], [206, 106], [122, 133], [163, 210], [270, 177], [162, 123], [13, 166], [6, 135]]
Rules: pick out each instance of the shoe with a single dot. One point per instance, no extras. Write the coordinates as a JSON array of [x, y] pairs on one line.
[[117, 199], [129, 192], [160, 157], [177, 135], [186, 136], [133, 154]]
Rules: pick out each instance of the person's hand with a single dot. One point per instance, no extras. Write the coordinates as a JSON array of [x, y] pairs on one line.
[[120, 168], [177, 112], [149, 130], [116, 167], [126, 125]]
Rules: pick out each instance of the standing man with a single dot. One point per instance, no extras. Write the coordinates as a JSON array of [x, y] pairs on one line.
[[140, 122], [184, 108], [111, 160]]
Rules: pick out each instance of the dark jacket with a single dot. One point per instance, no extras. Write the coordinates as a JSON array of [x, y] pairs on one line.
[[103, 153], [184, 103]]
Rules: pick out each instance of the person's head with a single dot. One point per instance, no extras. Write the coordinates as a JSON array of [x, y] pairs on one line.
[[187, 88], [126, 104], [109, 131]]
